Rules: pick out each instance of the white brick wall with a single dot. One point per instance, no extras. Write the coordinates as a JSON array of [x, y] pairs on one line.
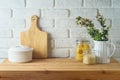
[[116, 22], [43, 23], [54, 13], [39, 4], [12, 3], [49, 23], [57, 17], [16, 32], [3, 53], [5, 33], [116, 3], [23, 13], [85, 12], [65, 43], [12, 23], [76, 32], [68, 3], [8, 42], [56, 33], [65, 23], [5, 13], [59, 53], [97, 3], [111, 12], [72, 52]]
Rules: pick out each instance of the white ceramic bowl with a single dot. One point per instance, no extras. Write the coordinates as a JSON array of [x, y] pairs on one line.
[[20, 54]]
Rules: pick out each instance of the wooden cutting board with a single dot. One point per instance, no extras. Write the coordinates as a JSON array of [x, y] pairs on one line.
[[35, 38]]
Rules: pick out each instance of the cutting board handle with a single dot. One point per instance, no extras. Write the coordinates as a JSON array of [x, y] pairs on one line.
[[34, 22]]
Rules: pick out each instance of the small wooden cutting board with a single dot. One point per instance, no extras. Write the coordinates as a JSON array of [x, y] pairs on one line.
[[35, 38]]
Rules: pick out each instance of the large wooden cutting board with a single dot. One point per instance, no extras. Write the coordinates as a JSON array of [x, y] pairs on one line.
[[35, 38]]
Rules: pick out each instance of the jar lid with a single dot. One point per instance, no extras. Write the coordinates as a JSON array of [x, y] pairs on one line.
[[21, 48], [82, 40]]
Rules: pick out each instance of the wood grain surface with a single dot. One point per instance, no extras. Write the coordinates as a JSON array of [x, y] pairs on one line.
[[58, 69], [57, 65], [36, 39]]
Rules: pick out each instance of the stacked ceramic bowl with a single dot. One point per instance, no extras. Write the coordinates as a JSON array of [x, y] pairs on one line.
[[20, 54]]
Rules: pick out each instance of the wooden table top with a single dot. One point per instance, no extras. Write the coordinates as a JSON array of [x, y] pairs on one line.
[[57, 64]]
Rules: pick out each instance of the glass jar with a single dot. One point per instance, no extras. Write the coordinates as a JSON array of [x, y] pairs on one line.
[[82, 45], [89, 58]]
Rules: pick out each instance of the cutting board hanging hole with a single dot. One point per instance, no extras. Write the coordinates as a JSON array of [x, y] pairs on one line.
[[34, 18]]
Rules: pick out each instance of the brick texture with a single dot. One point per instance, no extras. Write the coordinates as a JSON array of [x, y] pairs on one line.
[[116, 22], [3, 53], [116, 3], [72, 52], [25, 13], [12, 4], [57, 17], [12, 23], [55, 13], [97, 3], [39, 3], [8, 42], [68, 4], [84, 12], [56, 33], [65, 23], [64, 43], [111, 12], [5, 33], [77, 32], [5, 13], [59, 53]]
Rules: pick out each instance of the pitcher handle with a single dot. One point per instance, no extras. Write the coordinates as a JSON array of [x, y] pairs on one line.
[[114, 48]]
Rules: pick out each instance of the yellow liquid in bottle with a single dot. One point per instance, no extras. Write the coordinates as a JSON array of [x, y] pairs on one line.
[[80, 50]]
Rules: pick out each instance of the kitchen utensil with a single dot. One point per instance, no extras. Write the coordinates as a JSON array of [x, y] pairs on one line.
[[20, 54], [36, 39]]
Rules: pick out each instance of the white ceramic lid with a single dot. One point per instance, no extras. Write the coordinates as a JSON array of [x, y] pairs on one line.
[[21, 49]]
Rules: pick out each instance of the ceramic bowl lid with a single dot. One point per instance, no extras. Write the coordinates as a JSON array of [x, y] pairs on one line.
[[21, 49]]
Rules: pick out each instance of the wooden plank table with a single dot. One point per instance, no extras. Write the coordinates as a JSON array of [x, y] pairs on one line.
[[58, 69]]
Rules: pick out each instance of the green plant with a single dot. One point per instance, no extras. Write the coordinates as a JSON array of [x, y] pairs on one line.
[[96, 34]]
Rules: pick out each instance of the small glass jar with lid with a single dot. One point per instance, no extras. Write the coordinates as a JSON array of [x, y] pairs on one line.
[[82, 46], [89, 58]]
